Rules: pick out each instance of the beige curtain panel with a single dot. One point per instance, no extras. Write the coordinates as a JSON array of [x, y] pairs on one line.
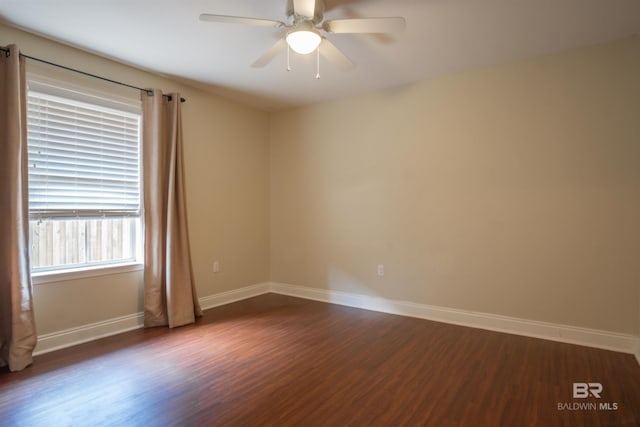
[[17, 325], [169, 290]]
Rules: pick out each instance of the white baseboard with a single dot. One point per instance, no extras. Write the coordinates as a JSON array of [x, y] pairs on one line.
[[531, 328], [93, 331], [550, 331], [85, 333], [234, 295]]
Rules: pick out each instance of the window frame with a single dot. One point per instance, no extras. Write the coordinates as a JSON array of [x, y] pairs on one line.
[[64, 89]]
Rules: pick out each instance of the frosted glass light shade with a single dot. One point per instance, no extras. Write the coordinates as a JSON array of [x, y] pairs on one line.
[[303, 41]]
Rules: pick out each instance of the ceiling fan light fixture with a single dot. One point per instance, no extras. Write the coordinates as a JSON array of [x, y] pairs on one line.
[[304, 41]]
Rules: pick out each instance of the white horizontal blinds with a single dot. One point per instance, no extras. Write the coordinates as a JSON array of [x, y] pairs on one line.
[[84, 159]]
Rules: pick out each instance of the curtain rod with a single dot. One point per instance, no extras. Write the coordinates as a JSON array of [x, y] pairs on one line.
[[148, 91]]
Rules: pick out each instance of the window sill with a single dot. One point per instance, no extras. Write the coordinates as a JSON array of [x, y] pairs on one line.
[[81, 273]]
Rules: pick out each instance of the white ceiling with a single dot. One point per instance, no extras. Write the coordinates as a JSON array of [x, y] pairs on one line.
[[442, 37]]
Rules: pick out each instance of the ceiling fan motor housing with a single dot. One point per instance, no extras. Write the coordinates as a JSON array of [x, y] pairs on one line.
[[317, 16]]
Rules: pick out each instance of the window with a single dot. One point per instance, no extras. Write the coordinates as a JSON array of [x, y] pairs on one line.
[[84, 179]]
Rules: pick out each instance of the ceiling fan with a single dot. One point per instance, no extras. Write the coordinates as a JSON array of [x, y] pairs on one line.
[[304, 30]]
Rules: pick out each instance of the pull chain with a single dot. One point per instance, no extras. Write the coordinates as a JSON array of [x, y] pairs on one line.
[[318, 63], [288, 57]]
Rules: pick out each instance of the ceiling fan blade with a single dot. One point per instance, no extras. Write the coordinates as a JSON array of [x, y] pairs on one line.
[[240, 20], [306, 8], [268, 56], [365, 25], [335, 55]]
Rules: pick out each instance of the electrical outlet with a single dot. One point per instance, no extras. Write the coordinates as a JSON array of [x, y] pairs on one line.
[[216, 266], [380, 269]]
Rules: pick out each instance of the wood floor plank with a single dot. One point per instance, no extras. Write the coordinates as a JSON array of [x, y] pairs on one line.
[[281, 361]]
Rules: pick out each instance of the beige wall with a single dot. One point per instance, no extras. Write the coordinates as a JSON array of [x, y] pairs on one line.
[[226, 151], [512, 190]]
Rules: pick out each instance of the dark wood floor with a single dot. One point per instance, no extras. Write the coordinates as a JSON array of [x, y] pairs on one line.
[[276, 360]]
